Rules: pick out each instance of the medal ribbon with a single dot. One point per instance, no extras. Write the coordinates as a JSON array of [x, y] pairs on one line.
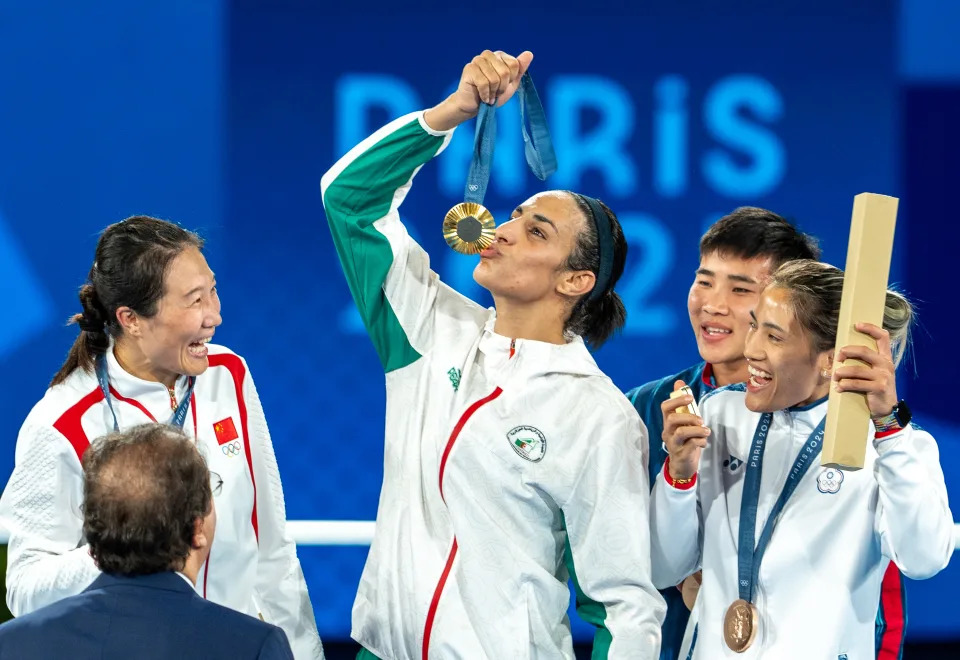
[[748, 556], [537, 145], [179, 415]]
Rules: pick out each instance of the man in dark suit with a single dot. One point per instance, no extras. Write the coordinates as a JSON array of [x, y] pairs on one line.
[[149, 517]]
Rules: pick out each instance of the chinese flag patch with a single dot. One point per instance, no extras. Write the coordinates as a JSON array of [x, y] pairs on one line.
[[225, 430]]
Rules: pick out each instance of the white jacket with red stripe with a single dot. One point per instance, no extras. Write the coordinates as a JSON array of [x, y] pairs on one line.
[[253, 565], [506, 463]]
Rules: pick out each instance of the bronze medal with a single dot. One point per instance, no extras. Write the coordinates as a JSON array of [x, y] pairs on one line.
[[468, 228], [689, 589], [740, 625]]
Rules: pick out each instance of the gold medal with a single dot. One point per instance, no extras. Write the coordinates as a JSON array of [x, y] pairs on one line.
[[468, 228], [740, 625]]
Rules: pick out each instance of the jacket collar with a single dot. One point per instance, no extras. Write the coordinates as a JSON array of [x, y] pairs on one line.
[[165, 581], [535, 358], [132, 387], [804, 418], [798, 422]]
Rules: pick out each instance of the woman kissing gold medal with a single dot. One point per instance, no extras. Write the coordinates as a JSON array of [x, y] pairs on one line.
[[469, 227]]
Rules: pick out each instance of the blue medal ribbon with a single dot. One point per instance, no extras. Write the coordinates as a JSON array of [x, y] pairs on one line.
[[179, 415], [748, 555], [537, 145]]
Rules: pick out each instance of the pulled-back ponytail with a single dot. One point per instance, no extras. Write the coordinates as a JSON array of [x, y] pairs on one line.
[[597, 318], [815, 290], [128, 271]]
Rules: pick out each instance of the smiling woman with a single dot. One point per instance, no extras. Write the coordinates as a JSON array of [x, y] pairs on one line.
[[150, 309], [790, 345], [150, 291], [820, 530]]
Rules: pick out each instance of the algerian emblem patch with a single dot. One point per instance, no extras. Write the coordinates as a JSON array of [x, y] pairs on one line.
[[829, 480], [528, 442]]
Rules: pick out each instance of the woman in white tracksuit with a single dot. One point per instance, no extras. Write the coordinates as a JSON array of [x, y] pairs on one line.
[[150, 309], [793, 554], [510, 460]]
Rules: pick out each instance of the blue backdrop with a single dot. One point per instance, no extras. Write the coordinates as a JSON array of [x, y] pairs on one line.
[[223, 116]]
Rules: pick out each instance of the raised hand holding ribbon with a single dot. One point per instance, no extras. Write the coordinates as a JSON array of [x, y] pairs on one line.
[[488, 82]]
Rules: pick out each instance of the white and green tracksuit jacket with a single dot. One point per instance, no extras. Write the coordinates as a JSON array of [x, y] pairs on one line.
[[507, 463]]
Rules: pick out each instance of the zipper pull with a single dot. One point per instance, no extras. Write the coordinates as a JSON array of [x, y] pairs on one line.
[[513, 344]]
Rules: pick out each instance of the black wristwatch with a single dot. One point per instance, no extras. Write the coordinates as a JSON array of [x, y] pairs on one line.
[[898, 418]]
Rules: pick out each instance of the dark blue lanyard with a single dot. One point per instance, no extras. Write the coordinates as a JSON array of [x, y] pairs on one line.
[[179, 415], [748, 556], [537, 146]]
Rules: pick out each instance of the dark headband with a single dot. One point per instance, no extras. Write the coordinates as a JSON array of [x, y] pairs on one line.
[[601, 220]]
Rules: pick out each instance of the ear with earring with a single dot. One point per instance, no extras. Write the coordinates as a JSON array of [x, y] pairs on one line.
[[825, 373]]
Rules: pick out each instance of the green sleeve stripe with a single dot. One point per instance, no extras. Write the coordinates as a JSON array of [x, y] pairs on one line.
[[589, 610], [354, 200]]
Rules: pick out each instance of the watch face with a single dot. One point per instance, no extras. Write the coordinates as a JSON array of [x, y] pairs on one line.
[[902, 413]]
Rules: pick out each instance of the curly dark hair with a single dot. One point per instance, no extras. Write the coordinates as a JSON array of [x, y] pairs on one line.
[[144, 489]]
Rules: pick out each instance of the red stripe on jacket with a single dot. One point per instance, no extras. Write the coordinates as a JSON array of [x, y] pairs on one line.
[[69, 424], [234, 365], [438, 590], [891, 598]]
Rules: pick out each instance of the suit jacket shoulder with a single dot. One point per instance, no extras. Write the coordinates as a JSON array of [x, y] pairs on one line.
[[147, 617]]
